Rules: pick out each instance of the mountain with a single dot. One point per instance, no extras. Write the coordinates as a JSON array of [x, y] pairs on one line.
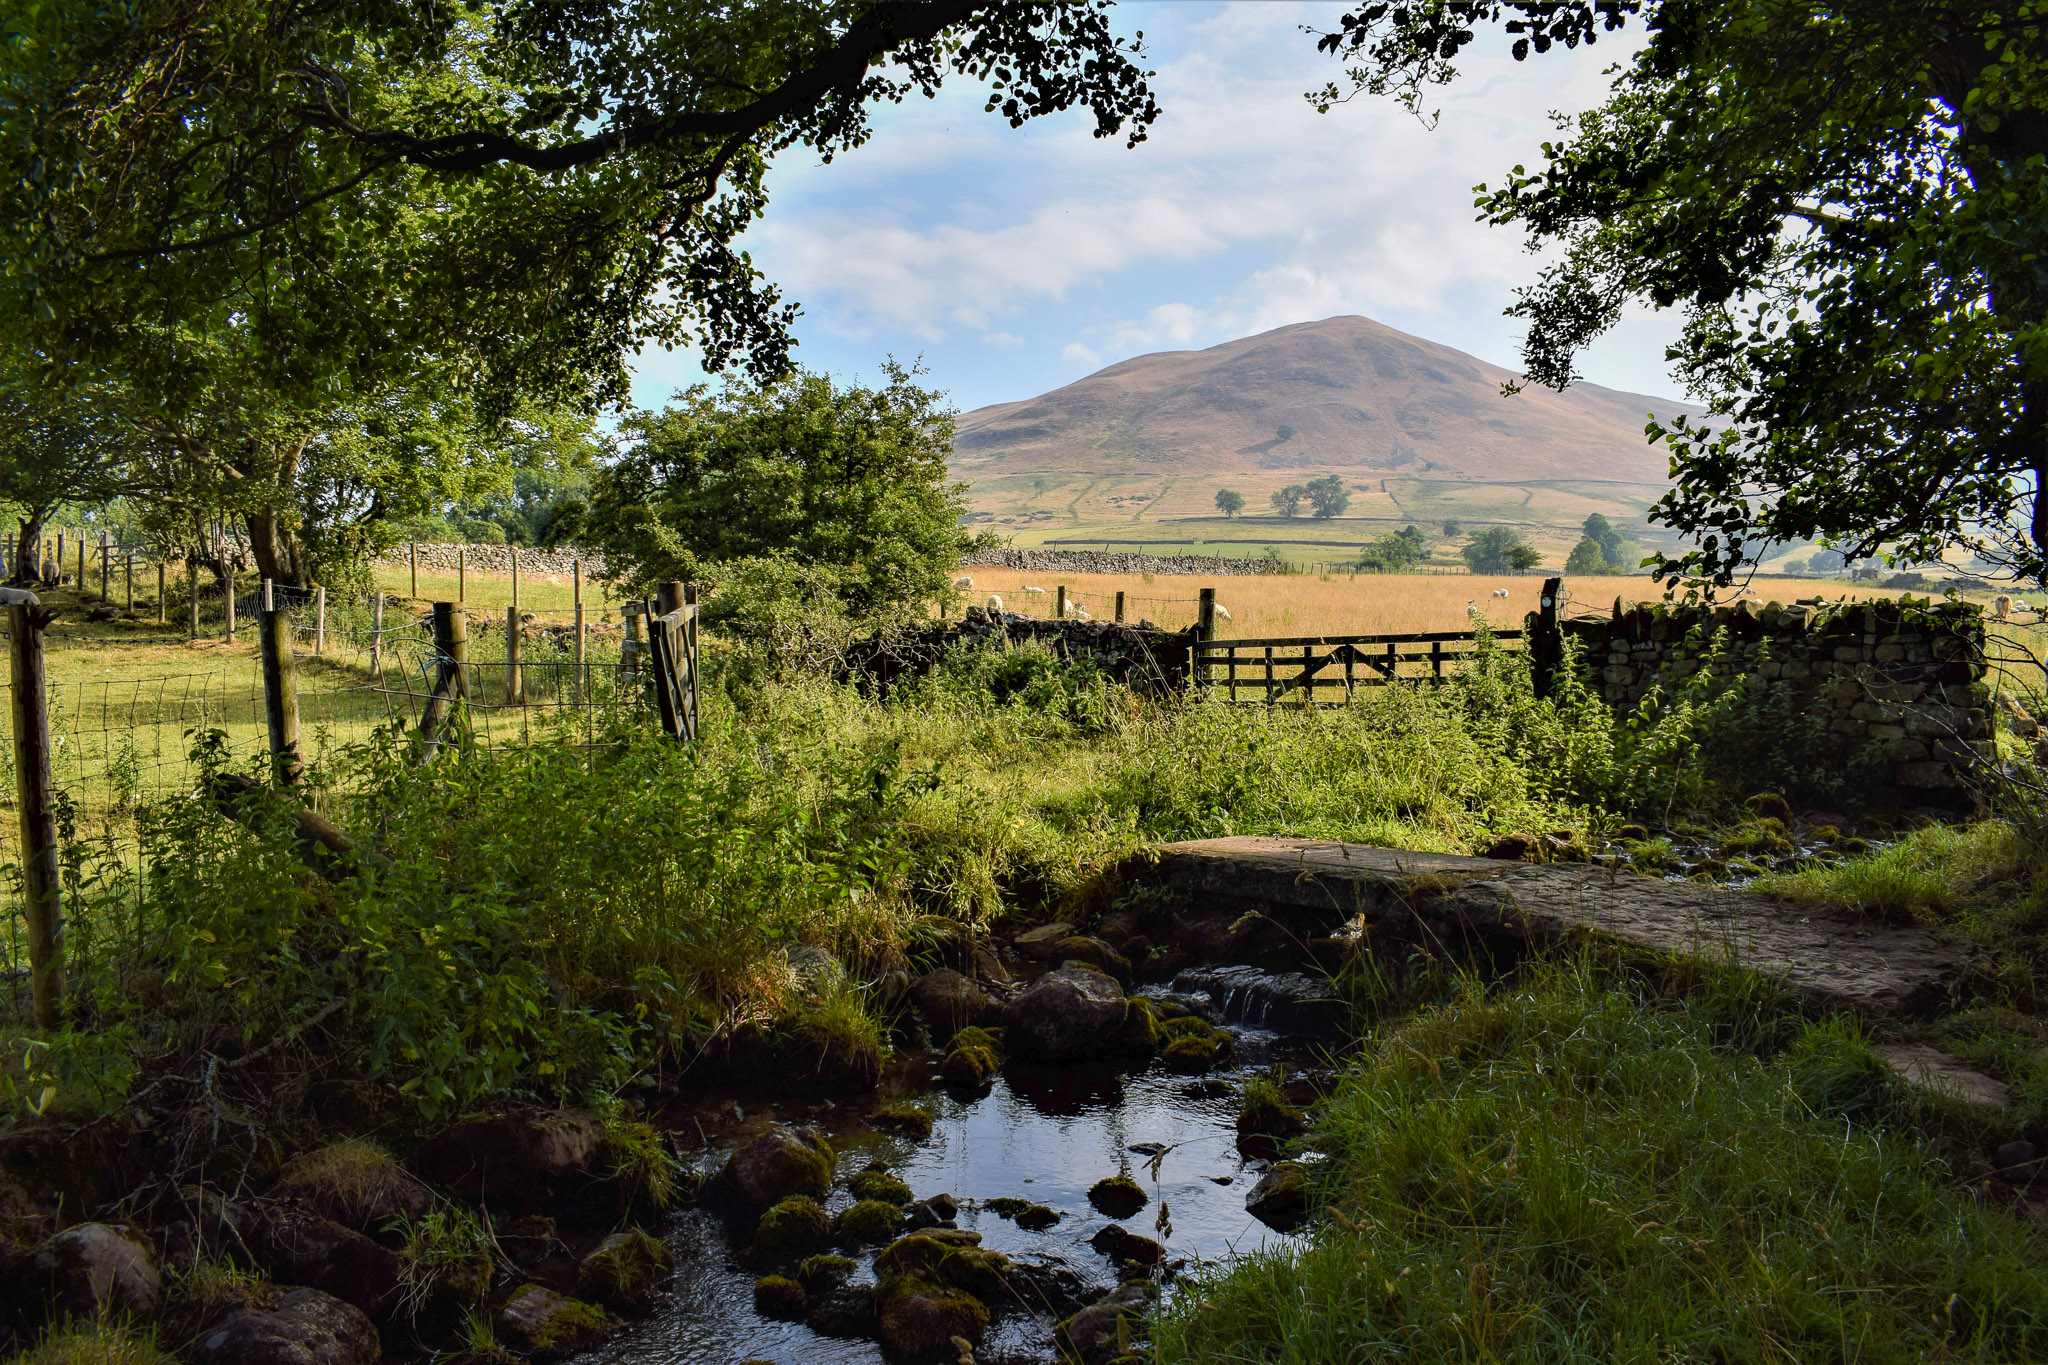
[[1346, 394]]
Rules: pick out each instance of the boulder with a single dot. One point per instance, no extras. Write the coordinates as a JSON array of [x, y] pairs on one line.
[[1038, 942], [949, 1256], [844, 1311], [916, 1315], [1102, 1331], [1068, 1014], [794, 1228], [305, 1327], [868, 1222], [780, 1298], [948, 1001], [549, 1326], [939, 1211], [298, 1246], [513, 1156], [1280, 1199], [778, 1164], [92, 1268], [875, 1183], [1117, 1196], [624, 1269], [1127, 1248], [1094, 952]]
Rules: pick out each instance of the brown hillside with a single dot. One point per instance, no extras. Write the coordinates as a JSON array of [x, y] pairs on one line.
[[1359, 395]]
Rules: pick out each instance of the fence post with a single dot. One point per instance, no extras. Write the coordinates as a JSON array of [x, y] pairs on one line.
[[636, 637], [42, 889], [319, 620], [451, 643], [229, 580], [130, 607], [514, 691], [81, 562], [377, 635], [266, 600], [280, 696], [106, 563], [1546, 641], [1059, 608], [161, 606], [1205, 631], [192, 593], [1119, 607], [462, 573], [578, 582], [57, 578], [412, 548]]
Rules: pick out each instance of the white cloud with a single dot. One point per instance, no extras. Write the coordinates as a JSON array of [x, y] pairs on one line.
[[1077, 355], [1001, 339]]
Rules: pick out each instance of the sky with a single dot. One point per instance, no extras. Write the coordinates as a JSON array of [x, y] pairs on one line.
[[1012, 261]]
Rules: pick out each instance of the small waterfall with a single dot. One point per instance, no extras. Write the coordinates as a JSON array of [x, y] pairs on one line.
[[1286, 1002]]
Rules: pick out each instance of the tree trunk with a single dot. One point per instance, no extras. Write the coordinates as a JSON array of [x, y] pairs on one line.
[[277, 558], [26, 569]]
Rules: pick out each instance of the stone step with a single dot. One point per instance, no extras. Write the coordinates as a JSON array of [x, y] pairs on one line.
[[1868, 967]]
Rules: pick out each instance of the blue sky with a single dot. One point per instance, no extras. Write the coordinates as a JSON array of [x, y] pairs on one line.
[[1017, 260]]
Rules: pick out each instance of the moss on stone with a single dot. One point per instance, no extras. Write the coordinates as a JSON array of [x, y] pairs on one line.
[[569, 1329], [794, 1227], [976, 1036], [625, 1266], [918, 1315], [822, 1274], [869, 1221], [897, 1117], [961, 1265], [1140, 1035], [778, 1296], [1006, 1206], [1191, 1055], [880, 1185], [1758, 838], [1037, 1217], [969, 1068], [1117, 1196]]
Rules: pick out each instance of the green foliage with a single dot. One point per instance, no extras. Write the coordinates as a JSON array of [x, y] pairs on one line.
[[1328, 495], [1395, 553], [1516, 1175], [1586, 560], [93, 1343], [445, 1254], [1284, 432], [1229, 501], [799, 467], [1498, 550], [1287, 502]]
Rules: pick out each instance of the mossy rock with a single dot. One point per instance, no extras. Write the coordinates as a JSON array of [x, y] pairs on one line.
[[1186, 1026], [976, 1036], [1037, 1217], [1191, 1055], [1631, 833], [1141, 1035], [969, 1068], [779, 1297], [919, 1316], [1117, 1196], [624, 1269], [1771, 805], [779, 1164], [869, 1221], [907, 1119], [549, 1326], [960, 1264], [880, 1185], [1006, 1206], [795, 1227], [822, 1274], [1766, 837]]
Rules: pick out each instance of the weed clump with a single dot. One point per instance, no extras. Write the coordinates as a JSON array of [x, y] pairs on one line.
[[93, 1343]]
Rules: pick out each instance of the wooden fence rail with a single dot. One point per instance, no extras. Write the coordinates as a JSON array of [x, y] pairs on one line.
[[1272, 670]]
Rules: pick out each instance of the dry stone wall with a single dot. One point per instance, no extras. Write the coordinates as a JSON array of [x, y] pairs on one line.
[[1897, 683], [1117, 562], [442, 558]]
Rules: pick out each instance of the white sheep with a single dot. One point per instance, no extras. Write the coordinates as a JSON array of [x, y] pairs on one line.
[[2001, 606], [995, 603], [1223, 611], [1081, 613], [1500, 592], [963, 583], [1033, 592]]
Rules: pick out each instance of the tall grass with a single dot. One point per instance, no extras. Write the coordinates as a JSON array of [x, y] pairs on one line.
[[1556, 1172]]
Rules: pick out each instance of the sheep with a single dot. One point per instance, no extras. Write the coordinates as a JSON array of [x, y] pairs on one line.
[[1033, 592], [1081, 613], [1500, 592], [1223, 611], [1471, 608], [994, 602], [964, 583], [2001, 606]]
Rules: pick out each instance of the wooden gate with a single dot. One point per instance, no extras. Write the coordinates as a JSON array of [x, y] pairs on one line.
[[1333, 666], [672, 656]]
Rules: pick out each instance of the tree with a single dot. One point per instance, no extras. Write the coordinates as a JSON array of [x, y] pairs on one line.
[[1229, 502], [851, 479], [1287, 502], [1395, 552], [1453, 529], [1284, 432], [1602, 533], [1587, 559], [1328, 495], [1496, 550], [1848, 201], [58, 445]]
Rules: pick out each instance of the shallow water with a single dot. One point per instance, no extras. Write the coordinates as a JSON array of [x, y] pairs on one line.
[[1040, 1135]]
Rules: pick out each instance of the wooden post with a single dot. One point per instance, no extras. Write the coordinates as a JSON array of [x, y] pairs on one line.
[[451, 643], [192, 593], [41, 885], [377, 634], [636, 637], [130, 607], [515, 576], [106, 563], [59, 575], [1060, 603], [267, 598], [1205, 631], [81, 561], [1119, 607], [515, 691], [577, 579], [319, 620], [412, 551], [1546, 641], [462, 573], [229, 580], [280, 696], [161, 607]]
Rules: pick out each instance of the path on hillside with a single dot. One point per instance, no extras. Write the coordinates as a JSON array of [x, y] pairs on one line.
[[1855, 964]]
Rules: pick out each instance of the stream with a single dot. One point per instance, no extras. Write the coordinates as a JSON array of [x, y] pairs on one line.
[[1040, 1134]]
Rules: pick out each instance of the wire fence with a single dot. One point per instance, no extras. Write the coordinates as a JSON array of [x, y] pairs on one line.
[[125, 730]]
